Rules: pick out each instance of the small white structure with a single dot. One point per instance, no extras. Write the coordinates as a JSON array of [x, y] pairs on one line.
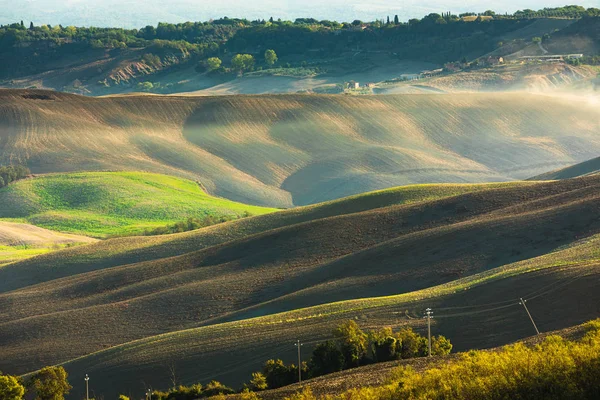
[[410, 77]]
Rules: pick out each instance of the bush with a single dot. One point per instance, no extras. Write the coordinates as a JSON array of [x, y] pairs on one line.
[[12, 173], [552, 370], [11, 388], [258, 382]]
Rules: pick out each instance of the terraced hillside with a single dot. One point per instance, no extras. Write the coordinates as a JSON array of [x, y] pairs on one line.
[[585, 168], [103, 203], [289, 150], [212, 296]]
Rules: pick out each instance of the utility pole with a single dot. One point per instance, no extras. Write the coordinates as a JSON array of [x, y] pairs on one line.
[[429, 315], [87, 388], [522, 302], [298, 344]]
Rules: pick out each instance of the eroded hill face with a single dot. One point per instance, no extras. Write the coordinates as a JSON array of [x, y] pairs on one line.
[[294, 150]]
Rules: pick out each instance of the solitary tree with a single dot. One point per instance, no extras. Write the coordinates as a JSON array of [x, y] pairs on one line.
[[51, 383], [31, 25], [11, 388], [213, 63], [270, 57], [396, 20], [242, 62]]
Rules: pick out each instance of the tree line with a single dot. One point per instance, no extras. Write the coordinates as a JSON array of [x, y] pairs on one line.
[[49, 383], [350, 348], [435, 37], [553, 369], [12, 173]]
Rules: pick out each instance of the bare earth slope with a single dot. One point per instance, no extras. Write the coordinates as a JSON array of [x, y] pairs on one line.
[[499, 242], [289, 150]]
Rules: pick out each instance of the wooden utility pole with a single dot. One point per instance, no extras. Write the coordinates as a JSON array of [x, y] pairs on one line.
[[298, 344], [522, 302], [429, 315]]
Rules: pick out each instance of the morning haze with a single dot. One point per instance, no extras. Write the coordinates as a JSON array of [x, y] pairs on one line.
[[139, 13]]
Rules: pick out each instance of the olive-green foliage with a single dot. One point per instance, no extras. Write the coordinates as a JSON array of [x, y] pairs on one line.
[[270, 57], [193, 392], [326, 358], [12, 173], [242, 62], [214, 388], [353, 342], [11, 388], [305, 394], [412, 344], [213, 63], [278, 374], [551, 370], [51, 383], [258, 381], [194, 223]]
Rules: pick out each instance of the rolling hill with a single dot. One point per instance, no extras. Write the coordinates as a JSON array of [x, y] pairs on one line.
[[215, 303], [582, 169], [103, 203], [20, 241], [286, 150]]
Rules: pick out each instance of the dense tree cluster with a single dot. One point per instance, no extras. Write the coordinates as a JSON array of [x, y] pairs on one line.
[[435, 37], [192, 224], [555, 369], [193, 392], [49, 383], [12, 173], [351, 348]]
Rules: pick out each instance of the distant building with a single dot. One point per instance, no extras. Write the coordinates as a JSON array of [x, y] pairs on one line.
[[493, 60], [370, 85], [410, 77], [551, 58], [432, 72], [473, 18]]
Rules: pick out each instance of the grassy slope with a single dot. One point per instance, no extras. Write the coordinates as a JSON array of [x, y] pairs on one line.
[[103, 203], [467, 312], [585, 168], [301, 149], [21, 241], [278, 266]]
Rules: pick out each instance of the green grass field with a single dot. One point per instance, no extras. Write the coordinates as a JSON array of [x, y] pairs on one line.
[[99, 204]]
